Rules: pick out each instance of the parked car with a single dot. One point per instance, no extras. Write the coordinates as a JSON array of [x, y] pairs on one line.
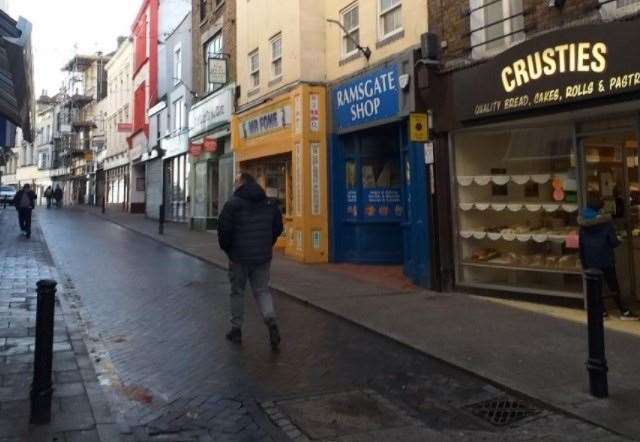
[[7, 193]]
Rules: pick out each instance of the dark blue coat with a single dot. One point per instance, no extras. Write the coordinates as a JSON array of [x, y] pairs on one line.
[[598, 241], [249, 226]]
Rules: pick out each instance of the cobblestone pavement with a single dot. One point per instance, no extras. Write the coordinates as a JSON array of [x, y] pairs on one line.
[[156, 319], [80, 411]]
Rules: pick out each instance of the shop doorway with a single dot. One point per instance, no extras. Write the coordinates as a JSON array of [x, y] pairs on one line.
[[611, 177]]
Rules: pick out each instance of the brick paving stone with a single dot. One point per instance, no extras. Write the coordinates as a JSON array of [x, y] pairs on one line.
[[22, 263]]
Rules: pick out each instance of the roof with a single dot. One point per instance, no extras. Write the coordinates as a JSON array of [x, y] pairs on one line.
[[81, 63]]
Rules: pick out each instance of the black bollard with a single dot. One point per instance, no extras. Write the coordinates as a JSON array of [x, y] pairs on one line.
[[41, 388], [597, 362], [161, 220], [104, 204]]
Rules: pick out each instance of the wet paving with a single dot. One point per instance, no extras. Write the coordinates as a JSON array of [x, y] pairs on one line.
[[158, 317]]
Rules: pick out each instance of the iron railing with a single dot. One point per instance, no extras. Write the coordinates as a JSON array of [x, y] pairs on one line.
[[513, 18]]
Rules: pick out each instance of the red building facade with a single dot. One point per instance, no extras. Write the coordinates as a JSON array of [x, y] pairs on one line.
[[145, 94]]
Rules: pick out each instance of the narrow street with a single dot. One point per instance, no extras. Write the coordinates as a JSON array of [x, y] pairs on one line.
[[161, 315]]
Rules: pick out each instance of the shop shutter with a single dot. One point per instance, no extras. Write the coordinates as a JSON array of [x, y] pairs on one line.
[[225, 179], [154, 188]]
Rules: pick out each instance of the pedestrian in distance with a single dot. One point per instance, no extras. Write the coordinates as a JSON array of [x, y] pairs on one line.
[[57, 195], [48, 195], [248, 227], [598, 241], [25, 202]]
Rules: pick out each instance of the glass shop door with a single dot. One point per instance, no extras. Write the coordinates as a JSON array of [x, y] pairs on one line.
[[611, 176]]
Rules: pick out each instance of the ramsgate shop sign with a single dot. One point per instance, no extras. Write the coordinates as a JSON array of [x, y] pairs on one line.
[[566, 66], [368, 98]]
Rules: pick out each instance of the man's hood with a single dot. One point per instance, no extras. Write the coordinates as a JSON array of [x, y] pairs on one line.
[[251, 192], [590, 218]]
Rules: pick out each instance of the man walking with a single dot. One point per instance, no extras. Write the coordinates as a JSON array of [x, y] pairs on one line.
[[598, 241], [25, 202], [48, 195], [248, 227], [57, 195]]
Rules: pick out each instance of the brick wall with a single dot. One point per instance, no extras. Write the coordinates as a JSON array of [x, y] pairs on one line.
[[219, 15], [447, 18]]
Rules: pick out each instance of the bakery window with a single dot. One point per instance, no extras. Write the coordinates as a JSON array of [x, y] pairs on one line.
[[516, 208]]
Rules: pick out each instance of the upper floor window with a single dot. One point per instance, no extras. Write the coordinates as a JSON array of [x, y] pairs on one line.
[[495, 25], [213, 49], [203, 9], [276, 56], [177, 65], [254, 68], [618, 8], [390, 15], [351, 21], [140, 47], [178, 114]]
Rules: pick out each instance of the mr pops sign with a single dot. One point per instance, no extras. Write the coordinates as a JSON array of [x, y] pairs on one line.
[[368, 98]]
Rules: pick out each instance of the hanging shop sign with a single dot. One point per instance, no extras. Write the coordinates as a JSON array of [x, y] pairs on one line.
[[565, 66], [217, 70], [195, 149], [210, 145], [368, 98], [213, 111], [263, 123], [125, 127]]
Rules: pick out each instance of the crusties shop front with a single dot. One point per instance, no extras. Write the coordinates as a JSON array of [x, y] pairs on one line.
[[378, 176]]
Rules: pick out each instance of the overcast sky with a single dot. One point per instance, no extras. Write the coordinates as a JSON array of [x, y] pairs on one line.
[[58, 25]]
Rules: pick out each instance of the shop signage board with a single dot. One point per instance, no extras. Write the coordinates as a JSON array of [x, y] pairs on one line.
[[217, 70], [418, 128], [314, 110], [266, 122], [315, 179], [125, 127], [213, 111], [382, 203], [366, 99], [565, 66], [195, 149], [210, 145]]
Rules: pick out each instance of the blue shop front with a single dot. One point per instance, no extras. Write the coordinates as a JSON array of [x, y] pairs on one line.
[[378, 179]]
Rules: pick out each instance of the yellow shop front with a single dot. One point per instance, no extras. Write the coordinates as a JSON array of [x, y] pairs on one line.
[[283, 144]]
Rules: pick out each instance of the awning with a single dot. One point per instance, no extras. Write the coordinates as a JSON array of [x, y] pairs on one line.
[[16, 75]]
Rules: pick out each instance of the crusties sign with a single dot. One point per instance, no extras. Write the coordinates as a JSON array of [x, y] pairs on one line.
[[368, 98], [565, 66]]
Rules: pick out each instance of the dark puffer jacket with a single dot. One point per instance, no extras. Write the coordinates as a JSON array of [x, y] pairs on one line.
[[598, 241], [249, 226]]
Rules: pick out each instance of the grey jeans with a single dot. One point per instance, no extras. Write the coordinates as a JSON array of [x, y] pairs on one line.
[[258, 276]]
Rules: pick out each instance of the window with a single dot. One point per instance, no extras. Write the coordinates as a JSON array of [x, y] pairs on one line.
[[495, 25], [212, 49], [177, 65], [390, 17], [619, 8], [140, 44], [178, 114], [203, 9], [351, 22], [276, 56], [139, 108], [254, 69]]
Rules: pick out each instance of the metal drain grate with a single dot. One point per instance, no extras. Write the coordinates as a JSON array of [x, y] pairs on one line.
[[502, 411]]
